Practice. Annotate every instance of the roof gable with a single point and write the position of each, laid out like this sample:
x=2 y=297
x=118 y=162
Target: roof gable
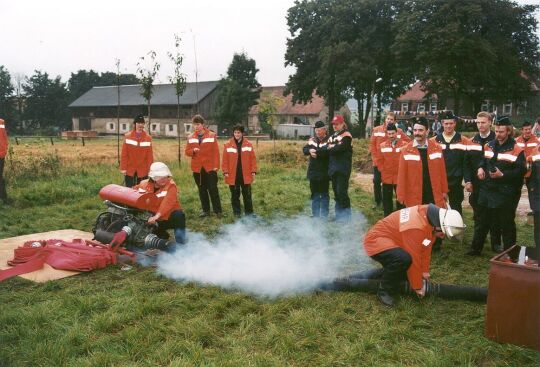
x=288 y=108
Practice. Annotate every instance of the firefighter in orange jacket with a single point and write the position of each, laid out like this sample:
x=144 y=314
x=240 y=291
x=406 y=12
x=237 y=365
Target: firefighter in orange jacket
x=168 y=214
x=4 y=143
x=388 y=163
x=379 y=136
x=137 y=154
x=422 y=172
x=203 y=148
x=239 y=167
x=528 y=142
x=402 y=243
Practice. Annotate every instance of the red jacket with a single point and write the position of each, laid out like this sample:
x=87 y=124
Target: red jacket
x=529 y=147
x=137 y=154
x=378 y=137
x=167 y=197
x=4 y=141
x=409 y=229
x=208 y=155
x=230 y=161
x=389 y=161
x=409 y=187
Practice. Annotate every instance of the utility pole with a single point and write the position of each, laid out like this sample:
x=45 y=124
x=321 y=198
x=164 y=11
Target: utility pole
x=118 y=111
x=196 y=73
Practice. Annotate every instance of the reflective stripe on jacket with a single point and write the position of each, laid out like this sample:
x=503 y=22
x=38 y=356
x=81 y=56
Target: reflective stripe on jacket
x=230 y=161
x=4 y=141
x=208 y=155
x=455 y=157
x=409 y=187
x=167 y=197
x=137 y=154
x=378 y=137
x=529 y=148
x=389 y=161
x=410 y=230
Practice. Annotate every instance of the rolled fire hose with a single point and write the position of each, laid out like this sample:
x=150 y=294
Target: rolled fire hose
x=369 y=282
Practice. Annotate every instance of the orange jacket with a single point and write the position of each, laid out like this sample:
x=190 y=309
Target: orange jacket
x=409 y=229
x=208 y=155
x=167 y=197
x=4 y=141
x=137 y=154
x=230 y=161
x=409 y=186
x=529 y=147
x=378 y=137
x=389 y=161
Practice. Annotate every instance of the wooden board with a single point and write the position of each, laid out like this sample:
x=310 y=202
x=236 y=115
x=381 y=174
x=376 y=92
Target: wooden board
x=7 y=245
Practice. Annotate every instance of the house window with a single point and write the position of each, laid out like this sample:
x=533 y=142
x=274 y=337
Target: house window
x=507 y=108
x=171 y=127
x=154 y=127
x=187 y=127
x=111 y=126
x=124 y=126
x=485 y=106
x=421 y=107
x=404 y=107
x=521 y=108
x=433 y=106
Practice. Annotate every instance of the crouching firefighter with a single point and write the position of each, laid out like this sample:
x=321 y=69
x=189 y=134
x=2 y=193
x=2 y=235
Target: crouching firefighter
x=402 y=243
x=168 y=213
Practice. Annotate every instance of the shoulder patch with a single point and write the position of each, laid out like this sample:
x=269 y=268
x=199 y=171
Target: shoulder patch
x=404 y=215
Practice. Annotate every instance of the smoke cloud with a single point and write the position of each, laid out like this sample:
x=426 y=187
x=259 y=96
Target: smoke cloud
x=270 y=258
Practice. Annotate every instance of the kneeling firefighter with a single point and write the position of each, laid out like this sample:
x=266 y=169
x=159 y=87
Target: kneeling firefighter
x=169 y=214
x=402 y=243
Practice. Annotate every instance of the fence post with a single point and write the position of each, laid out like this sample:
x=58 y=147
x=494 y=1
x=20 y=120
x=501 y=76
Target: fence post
x=17 y=140
x=82 y=139
x=257 y=143
x=52 y=143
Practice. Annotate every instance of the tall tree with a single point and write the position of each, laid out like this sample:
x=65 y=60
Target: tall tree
x=178 y=79
x=238 y=91
x=269 y=104
x=6 y=94
x=84 y=80
x=147 y=69
x=46 y=102
x=470 y=50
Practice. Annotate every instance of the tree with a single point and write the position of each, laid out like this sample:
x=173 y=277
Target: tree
x=238 y=91
x=469 y=50
x=178 y=79
x=147 y=75
x=84 y=80
x=6 y=94
x=269 y=104
x=46 y=102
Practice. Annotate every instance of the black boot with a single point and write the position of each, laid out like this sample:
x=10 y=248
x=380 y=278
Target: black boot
x=385 y=298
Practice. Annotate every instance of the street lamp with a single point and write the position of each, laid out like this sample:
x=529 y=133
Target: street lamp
x=378 y=80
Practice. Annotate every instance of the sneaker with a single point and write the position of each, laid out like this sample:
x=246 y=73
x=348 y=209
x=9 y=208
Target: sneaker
x=204 y=214
x=385 y=298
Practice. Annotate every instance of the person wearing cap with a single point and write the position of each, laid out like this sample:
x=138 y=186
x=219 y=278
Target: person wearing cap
x=390 y=151
x=169 y=213
x=4 y=143
x=402 y=243
x=137 y=153
x=377 y=138
x=422 y=172
x=202 y=146
x=317 y=173
x=454 y=148
x=239 y=167
x=501 y=171
x=339 y=149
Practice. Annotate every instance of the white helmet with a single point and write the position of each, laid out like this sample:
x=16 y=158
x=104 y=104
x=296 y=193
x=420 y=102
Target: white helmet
x=452 y=224
x=159 y=169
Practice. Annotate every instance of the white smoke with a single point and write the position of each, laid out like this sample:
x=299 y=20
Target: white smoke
x=280 y=257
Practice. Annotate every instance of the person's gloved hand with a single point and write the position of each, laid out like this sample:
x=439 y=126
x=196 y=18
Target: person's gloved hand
x=118 y=239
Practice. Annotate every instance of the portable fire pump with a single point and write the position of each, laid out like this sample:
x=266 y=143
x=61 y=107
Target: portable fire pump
x=128 y=210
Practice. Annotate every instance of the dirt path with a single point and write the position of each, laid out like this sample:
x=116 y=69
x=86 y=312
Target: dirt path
x=365 y=180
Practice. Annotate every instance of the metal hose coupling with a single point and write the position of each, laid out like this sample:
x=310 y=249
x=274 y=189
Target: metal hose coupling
x=152 y=241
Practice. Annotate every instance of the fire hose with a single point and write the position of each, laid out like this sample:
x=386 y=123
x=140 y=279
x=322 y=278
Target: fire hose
x=369 y=282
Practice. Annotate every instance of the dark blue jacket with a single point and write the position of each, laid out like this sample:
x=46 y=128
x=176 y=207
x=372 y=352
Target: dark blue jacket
x=340 y=152
x=455 y=158
x=318 y=167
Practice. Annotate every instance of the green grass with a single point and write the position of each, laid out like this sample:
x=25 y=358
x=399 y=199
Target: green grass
x=112 y=317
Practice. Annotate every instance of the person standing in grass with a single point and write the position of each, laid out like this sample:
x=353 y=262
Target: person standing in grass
x=137 y=154
x=239 y=167
x=533 y=185
x=317 y=172
x=402 y=244
x=339 y=148
x=390 y=151
x=4 y=143
x=202 y=146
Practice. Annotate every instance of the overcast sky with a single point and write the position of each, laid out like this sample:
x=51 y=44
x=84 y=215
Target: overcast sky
x=60 y=36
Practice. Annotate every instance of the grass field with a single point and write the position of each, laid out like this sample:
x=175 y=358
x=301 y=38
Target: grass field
x=139 y=318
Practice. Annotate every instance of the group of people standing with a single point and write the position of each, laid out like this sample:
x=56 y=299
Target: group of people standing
x=492 y=166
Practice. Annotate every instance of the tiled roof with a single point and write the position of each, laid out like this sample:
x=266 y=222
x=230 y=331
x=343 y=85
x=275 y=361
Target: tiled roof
x=288 y=108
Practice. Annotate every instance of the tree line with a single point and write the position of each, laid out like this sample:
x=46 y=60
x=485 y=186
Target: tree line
x=466 y=50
